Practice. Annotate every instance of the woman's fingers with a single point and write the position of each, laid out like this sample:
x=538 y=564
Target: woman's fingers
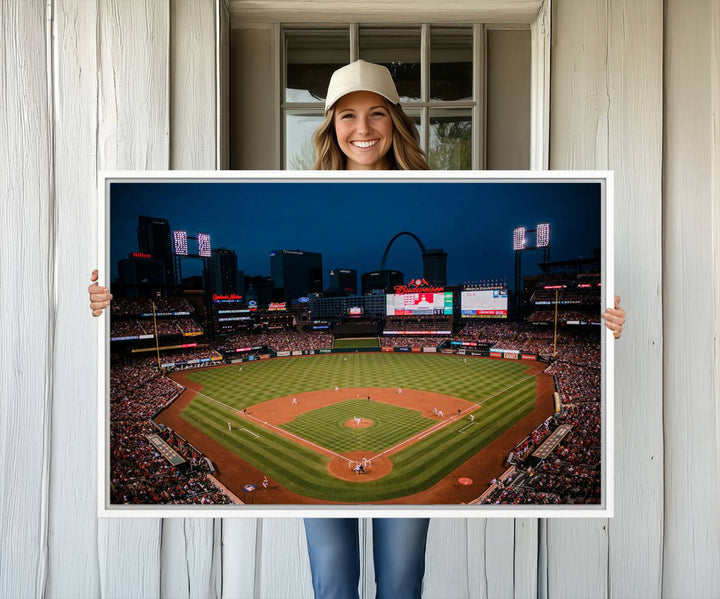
x=99 y=296
x=615 y=318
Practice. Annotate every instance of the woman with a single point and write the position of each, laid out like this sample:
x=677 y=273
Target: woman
x=365 y=129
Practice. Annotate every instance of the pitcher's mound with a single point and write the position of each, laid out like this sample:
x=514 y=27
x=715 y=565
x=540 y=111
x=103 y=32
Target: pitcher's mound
x=342 y=469
x=364 y=423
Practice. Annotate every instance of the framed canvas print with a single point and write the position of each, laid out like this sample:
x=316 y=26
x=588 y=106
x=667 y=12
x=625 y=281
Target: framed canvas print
x=374 y=344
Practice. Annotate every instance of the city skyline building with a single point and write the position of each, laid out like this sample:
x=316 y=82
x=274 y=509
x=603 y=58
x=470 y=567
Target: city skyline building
x=154 y=238
x=296 y=272
x=223 y=271
x=383 y=281
x=344 y=279
x=435 y=267
x=140 y=275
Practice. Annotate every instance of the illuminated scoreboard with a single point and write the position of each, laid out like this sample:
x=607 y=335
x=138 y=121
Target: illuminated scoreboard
x=485 y=303
x=419 y=304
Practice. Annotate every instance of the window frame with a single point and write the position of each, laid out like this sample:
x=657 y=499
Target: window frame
x=476 y=106
x=539 y=23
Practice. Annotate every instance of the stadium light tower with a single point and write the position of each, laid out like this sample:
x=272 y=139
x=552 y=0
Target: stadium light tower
x=181 y=252
x=543 y=235
x=542 y=242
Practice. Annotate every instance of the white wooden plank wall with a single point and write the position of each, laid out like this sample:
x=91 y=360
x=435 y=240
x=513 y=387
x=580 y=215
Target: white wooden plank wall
x=116 y=84
x=133 y=131
x=577 y=551
x=606 y=112
x=282 y=567
x=446 y=559
x=635 y=535
x=692 y=397
x=26 y=298
x=190 y=568
x=73 y=560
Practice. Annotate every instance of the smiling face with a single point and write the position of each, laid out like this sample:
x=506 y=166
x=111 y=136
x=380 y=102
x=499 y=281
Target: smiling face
x=364 y=130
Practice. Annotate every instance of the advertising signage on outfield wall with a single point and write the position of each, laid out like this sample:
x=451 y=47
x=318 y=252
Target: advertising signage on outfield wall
x=132 y=338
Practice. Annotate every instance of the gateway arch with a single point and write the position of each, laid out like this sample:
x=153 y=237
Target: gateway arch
x=434 y=261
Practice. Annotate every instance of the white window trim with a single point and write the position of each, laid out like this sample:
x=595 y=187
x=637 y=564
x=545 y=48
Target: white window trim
x=383 y=11
x=540 y=89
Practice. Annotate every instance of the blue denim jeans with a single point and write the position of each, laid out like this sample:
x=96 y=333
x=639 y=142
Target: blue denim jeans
x=398 y=550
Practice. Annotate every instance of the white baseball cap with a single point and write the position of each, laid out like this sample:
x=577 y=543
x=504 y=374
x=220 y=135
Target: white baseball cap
x=361 y=76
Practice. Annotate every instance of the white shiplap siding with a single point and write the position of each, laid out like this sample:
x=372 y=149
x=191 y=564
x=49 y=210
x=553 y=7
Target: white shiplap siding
x=133 y=133
x=692 y=398
x=73 y=558
x=27 y=210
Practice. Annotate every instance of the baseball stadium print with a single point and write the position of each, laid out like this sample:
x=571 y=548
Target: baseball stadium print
x=314 y=341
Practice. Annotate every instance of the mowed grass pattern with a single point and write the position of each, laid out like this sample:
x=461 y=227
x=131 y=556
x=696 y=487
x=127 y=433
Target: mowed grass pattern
x=326 y=426
x=503 y=388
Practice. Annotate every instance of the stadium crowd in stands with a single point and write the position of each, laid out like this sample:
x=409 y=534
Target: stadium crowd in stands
x=417 y=325
x=571 y=472
x=165 y=326
x=199 y=357
x=564 y=316
x=284 y=340
x=135 y=306
x=138 y=473
x=411 y=341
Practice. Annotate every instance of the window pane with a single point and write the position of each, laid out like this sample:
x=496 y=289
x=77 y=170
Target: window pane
x=450 y=139
x=451 y=56
x=415 y=117
x=299 y=150
x=399 y=51
x=311 y=57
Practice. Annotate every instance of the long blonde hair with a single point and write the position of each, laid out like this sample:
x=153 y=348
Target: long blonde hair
x=405 y=153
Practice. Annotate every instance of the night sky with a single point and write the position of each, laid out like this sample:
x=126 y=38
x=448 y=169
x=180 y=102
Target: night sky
x=352 y=223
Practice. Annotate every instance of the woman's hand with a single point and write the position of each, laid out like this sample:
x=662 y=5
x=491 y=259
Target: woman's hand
x=99 y=296
x=615 y=318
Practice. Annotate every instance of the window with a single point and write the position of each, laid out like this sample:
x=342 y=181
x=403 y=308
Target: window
x=468 y=88
x=435 y=68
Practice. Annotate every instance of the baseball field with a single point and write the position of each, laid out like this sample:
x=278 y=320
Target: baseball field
x=414 y=420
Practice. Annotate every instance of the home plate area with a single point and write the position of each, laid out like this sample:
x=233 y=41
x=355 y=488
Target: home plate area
x=360 y=429
x=346 y=467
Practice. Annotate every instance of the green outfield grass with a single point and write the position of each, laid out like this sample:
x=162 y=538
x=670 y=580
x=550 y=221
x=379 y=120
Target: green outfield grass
x=503 y=388
x=352 y=343
x=326 y=426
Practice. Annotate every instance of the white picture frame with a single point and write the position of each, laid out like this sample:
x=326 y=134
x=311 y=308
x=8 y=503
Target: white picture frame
x=603 y=509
